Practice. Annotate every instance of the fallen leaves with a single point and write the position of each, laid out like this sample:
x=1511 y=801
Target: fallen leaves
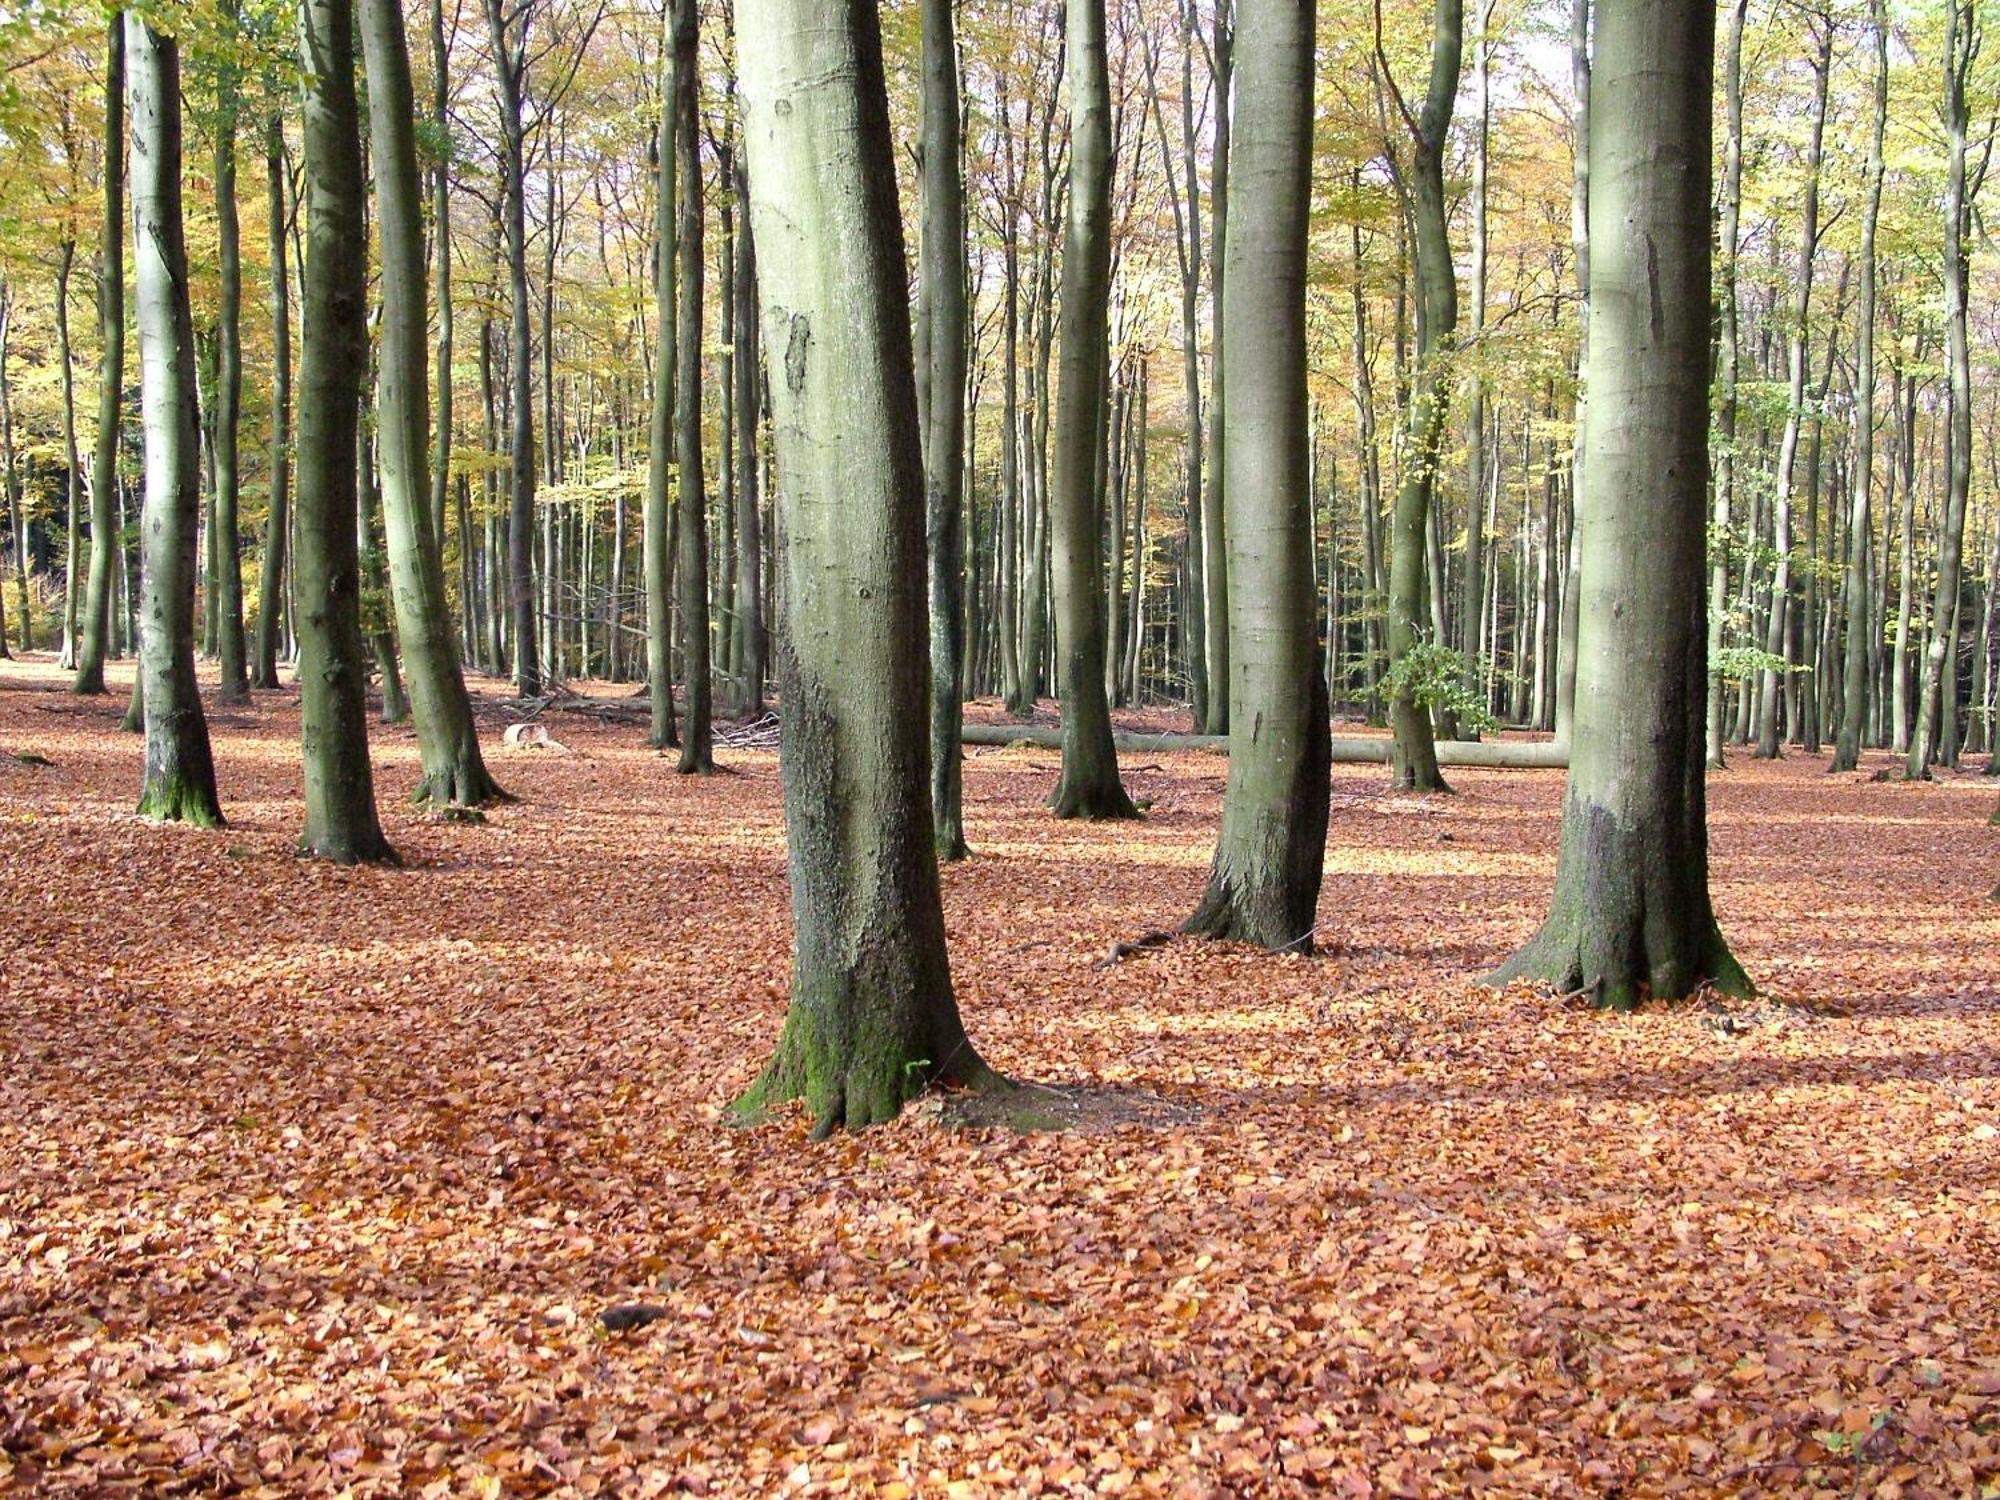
x=321 y=1181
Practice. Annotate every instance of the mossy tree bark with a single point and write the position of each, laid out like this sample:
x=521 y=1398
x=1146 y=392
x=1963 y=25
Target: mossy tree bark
x=945 y=356
x=1089 y=785
x=1854 y=586
x=278 y=524
x=656 y=542
x=1630 y=917
x=454 y=772
x=95 y=628
x=1263 y=886
x=872 y=1021
x=180 y=771
x=690 y=491
x=1415 y=766
x=341 y=823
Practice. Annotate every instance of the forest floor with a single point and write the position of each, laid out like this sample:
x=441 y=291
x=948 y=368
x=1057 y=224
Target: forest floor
x=317 y=1180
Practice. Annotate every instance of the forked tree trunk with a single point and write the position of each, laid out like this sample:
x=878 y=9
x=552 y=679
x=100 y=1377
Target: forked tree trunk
x=105 y=544
x=1631 y=916
x=944 y=353
x=341 y=823
x=180 y=772
x=454 y=772
x=277 y=526
x=872 y=1022
x=1263 y=885
x=1089 y=785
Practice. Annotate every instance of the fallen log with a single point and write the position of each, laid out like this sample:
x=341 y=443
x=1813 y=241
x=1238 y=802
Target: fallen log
x=1348 y=750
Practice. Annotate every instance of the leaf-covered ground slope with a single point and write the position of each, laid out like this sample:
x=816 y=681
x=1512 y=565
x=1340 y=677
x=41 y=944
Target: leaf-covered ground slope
x=315 y=1180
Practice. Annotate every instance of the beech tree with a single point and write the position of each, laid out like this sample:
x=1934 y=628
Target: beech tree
x=1263 y=885
x=180 y=771
x=95 y=627
x=872 y=1021
x=690 y=493
x=278 y=518
x=1631 y=915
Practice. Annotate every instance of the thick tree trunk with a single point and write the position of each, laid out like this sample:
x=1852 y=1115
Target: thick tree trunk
x=943 y=277
x=341 y=823
x=1264 y=881
x=180 y=772
x=105 y=543
x=1630 y=916
x=454 y=772
x=1089 y=785
x=872 y=1022
x=277 y=527
x=697 y=754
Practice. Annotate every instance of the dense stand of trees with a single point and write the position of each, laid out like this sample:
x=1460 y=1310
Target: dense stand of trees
x=1193 y=413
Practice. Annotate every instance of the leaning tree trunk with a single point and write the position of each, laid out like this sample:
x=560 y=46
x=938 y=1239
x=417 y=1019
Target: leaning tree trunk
x=226 y=547
x=1089 y=785
x=1630 y=916
x=690 y=495
x=872 y=1021
x=180 y=772
x=657 y=521
x=1263 y=885
x=277 y=525
x=105 y=546
x=341 y=823
x=944 y=352
x=1854 y=676
x=1415 y=766
x=454 y=772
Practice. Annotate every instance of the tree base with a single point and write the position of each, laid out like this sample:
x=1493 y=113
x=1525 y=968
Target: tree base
x=1094 y=798
x=950 y=840
x=88 y=684
x=1231 y=912
x=850 y=1083
x=462 y=784
x=177 y=799
x=360 y=849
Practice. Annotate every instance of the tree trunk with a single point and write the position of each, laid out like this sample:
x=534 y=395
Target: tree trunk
x=749 y=623
x=697 y=754
x=341 y=823
x=441 y=250
x=1214 y=503
x=1725 y=378
x=1631 y=916
x=270 y=586
x=944 y=293
x=180 y=772
x=1089 y=785
x=1264 y=881
x=658 y=526
x=872 y=1021
x=227 y=549
x=72 y=469
x=106 y=543
x=454 y=772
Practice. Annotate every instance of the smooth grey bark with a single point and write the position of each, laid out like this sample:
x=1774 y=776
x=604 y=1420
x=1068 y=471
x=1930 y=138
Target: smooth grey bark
x=1726 y=358
x=1631 y=916
x=1854 y=675
x=16 y=520
x=872 y=1021
x=226 y=543
x=1963 y=35
x=180 y=770
x=1472 y=598
x=1264 y=880
x=454 y=771
x=1415 y=766
x=1567 y=621
x=750 y=649
x=510 y=63
x=690 y=494
x=1089 y=785
x=277 y=526
x=441 y=251
x=105 y=545
x=942 y=275
x=341 y=822
x=657 y=520
x=1215 y=505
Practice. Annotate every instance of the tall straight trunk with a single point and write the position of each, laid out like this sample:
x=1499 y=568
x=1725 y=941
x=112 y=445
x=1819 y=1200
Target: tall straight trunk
x=377 y=618
x=1962 y=39
x=942 y=274
x=1264 y=880
x=277 y=526
x=510 y=59
x=1136 y=629
x=1567 y=622
x=1906 y=570
x=697 y=755
x=1215 y=508
x=227 y=603
x=106 y=545
x=1414 y=764
x=1802 y=713
x=1203 y=684
x=1472 y=612
x=16 y=519
x=1726 y=358
x=454 y=772
x=341 y=823
x=180 y=771
x=1631 y=915
x=1008 y=547
x=441 y=252
x=1374 y=572
x=658 y=520
x=724 y=567
x=872 y=1021
x=1089 y=785
x=749 y=622
x=72 y=469
x=1777 y=637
